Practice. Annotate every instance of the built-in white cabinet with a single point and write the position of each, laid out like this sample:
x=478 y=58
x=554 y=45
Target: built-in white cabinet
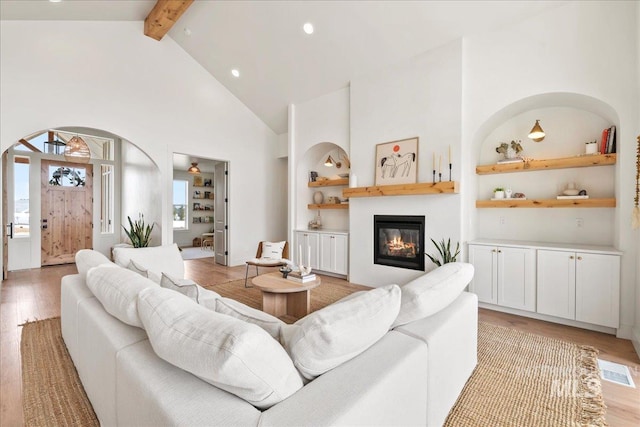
x=333 y=253
x=551 y=281
x=579 y=286
x=504 y=276
x=307 y=245
x=329 y=250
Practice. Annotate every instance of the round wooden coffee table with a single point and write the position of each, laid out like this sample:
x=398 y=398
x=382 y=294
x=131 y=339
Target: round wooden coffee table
x=283 y=296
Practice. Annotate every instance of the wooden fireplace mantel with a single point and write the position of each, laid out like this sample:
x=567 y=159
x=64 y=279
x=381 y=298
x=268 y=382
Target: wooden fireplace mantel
x=445 y=187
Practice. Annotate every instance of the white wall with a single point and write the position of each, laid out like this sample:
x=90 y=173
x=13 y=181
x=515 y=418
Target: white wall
x=564 y=50
x=420 y=97
x=320 y=128
x=108 y=75
x=636 y=329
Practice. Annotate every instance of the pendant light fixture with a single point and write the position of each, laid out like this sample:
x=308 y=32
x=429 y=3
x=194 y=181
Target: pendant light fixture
x=537 y=134
x=330 y=162
x=194 y=169
x=77 y=151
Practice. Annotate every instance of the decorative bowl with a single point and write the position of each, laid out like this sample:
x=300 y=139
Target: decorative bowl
x=571 y=192
x=343 y=175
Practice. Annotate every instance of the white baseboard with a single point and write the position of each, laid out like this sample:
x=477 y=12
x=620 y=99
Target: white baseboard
x=635 y=339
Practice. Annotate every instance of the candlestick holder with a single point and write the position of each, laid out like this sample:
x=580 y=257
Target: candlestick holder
x=440 y=176
x=434 y=176
x=449 y=171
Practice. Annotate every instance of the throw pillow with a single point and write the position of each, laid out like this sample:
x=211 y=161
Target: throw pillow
x=117 y=289
x=272 y=250
x=339 y=332
x=236 y=309
x=235 y=356
x=156 y=259
x=87 y=259
x=186 y=287
x=431 y=292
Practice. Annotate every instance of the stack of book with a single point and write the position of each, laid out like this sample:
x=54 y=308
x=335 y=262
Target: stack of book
x=608 y=142
x=297 y=277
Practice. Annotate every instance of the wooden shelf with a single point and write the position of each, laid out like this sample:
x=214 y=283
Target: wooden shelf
x=329 y=206
x=548 y=164
x=329 y=182
x=547 y=203
x=445 y=187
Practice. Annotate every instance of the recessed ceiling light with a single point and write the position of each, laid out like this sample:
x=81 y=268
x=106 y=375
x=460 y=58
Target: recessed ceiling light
x=55 y=1
x=235 y=73
x=308 y=28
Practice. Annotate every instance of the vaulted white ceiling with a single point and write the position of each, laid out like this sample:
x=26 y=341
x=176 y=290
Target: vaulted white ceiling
x=278 y=63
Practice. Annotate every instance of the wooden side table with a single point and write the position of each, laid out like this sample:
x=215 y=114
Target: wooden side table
x=283 y=296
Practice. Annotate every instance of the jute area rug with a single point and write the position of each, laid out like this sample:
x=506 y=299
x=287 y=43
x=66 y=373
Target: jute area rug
x=521 y=379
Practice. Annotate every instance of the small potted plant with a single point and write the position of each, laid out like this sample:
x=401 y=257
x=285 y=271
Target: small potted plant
x=446 y=253
x=139 y=233
x=498 y=193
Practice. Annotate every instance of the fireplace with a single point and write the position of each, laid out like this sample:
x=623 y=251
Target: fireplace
x=398 y=241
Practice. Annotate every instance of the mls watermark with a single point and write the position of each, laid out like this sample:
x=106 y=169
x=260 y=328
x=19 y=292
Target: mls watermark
x=575 y=388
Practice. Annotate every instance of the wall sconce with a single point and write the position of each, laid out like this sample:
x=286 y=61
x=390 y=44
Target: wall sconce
x=330 y=162
x=537 y=134
x=194 y=168
x=77 y=151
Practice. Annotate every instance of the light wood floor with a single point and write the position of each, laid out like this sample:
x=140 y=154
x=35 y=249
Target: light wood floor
x=35 y=294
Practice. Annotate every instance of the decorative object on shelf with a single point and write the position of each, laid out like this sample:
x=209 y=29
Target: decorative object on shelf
x=313 y=175
x=318 y=197
x=396 y=162
x=582 y=193
x=139 y=233
x=316 y=222
x=449 y=162
x=198 y=181
x=208 y=182
x=591 y=147
x=333 y=200
x=353 y=180
x=304 y=270
x=571 y=190
x=194 y=169
x=498 y=193
x=519 y=196
x=510 y=152
x=537 y=134
x=77 y=151
x=444 y=249
x=508 y=192
x=635 y=216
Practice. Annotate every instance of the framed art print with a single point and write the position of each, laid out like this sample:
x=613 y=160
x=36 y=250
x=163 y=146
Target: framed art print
x=397 y=162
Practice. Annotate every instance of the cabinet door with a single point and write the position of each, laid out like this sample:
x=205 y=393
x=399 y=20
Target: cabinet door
x=598 y=289
x=556 y=291
x=307 y=244
x=327 y=251
x=517 y=278
x=333 y=253
x=484 y=283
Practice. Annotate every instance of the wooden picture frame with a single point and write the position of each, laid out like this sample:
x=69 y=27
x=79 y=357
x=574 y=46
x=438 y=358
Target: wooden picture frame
x=198 y=181
x=397 y=162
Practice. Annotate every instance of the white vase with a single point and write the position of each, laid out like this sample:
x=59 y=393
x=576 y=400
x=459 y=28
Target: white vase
x=498 y=194
x=318 y=197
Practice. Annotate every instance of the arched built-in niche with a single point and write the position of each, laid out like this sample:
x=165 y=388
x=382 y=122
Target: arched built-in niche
x=313 y=160
x=569 y=120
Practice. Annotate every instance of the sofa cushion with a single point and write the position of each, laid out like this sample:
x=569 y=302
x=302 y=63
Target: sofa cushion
x=157 y=259
x=329 y=337
x=236 y=309
x=87 y=259
x=191 y=289
x=431 y=292
x=233 y=355
x=117 y=289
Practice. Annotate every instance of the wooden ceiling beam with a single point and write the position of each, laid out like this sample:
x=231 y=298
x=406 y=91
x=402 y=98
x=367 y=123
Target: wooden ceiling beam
x=163 y=16
x=29 y=146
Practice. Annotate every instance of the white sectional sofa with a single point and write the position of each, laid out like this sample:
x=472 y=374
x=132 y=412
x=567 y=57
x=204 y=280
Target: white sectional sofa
x=411 y=376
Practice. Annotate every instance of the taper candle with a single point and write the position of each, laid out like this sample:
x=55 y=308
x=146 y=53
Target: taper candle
x=309 y=256
x=449 y=154
x=434 y=160
x=440 y=164
x=299 y=254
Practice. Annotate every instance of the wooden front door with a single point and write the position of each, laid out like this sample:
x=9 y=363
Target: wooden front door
x=67 y=210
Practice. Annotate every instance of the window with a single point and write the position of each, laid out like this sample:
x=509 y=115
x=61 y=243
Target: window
x=21 y=197
x=67 y=177
x=106 y=199
x=180 y=211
